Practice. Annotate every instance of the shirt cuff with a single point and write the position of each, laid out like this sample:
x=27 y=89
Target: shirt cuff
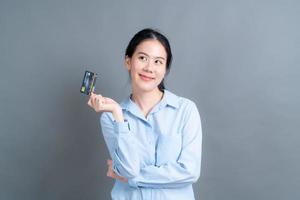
x=132 y=183
x=122 y=127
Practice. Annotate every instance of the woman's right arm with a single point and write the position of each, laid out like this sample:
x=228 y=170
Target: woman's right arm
x=117 y=135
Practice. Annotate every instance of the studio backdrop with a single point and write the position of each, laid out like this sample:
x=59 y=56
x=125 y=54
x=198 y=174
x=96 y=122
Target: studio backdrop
x=237 y=60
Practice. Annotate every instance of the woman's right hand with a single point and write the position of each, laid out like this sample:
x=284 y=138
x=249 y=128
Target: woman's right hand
x=105 y=104
x=110 y=172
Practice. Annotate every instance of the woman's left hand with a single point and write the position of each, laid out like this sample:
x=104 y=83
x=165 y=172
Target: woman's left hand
x=112 y=174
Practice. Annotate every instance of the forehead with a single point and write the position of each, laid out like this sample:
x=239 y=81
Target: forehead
x=152 y=48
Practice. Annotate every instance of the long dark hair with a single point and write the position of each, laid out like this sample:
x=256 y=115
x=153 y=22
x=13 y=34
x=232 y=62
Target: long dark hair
x=151 y=34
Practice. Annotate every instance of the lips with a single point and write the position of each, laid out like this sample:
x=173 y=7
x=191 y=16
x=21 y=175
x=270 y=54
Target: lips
x=146 y=78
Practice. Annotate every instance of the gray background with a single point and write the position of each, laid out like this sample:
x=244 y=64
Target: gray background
x=238 y=60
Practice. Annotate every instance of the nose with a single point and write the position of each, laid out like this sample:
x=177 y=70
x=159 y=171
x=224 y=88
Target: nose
x=148 y=67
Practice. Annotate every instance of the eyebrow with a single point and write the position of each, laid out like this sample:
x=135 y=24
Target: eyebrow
x=149 y=56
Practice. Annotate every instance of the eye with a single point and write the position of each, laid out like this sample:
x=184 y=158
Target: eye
x=142 y=58
x=158 y=62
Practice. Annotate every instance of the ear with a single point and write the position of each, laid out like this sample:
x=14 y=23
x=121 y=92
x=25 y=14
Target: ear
x=127 y=63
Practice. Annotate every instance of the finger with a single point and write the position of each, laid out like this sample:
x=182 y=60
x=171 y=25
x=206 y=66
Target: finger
x=98 y=105
x=92 y=97
x=110 y=173
x=115 y=176
x=100 y=98
x=94 y=100
x=100 y=102
x=89 y=102
x=109 y=162
x=97 y=99
x=110 y=168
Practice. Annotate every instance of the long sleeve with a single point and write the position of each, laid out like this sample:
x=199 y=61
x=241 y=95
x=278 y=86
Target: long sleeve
x=186 y=169
x=121 y=145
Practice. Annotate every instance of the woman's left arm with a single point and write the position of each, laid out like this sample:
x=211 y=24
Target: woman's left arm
x=186 y=169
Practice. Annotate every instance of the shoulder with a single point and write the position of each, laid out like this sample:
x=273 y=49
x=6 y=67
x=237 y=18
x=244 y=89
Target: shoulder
x=188 y=103
x=188 y=111
x=180 y=101
x=186 y=108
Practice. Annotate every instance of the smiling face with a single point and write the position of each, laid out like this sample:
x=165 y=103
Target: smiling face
x=147 y=66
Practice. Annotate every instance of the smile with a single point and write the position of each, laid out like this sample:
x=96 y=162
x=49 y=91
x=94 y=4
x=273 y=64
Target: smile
x=145 y=78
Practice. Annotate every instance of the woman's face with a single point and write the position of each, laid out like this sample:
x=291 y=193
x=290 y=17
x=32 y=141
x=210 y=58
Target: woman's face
x=147 y=66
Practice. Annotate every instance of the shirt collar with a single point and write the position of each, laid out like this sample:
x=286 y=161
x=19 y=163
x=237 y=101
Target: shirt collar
x=169 y=99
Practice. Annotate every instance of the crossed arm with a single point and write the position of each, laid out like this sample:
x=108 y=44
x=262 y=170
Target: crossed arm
x=124 y=163
x=125 y=167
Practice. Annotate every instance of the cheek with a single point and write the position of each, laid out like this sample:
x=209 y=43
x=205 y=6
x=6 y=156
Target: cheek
x=136 y=65
x=134 y=71
x=161 y=72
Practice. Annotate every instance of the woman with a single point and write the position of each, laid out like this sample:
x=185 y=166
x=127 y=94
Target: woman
x=154 y=137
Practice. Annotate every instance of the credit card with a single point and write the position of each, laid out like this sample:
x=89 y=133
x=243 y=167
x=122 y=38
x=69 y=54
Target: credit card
x=88 y=83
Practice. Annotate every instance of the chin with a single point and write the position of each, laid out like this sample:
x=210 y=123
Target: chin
x=146 y=88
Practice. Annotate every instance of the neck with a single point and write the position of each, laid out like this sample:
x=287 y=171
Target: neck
x=146 y=100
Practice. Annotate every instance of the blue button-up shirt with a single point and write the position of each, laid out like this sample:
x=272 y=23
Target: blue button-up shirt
x=160 y=154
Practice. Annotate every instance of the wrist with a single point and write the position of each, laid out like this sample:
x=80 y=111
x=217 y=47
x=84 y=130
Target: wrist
x=118 y=114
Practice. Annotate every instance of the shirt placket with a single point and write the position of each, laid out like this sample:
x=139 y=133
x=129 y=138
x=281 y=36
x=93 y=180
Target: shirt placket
x=150 y=135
